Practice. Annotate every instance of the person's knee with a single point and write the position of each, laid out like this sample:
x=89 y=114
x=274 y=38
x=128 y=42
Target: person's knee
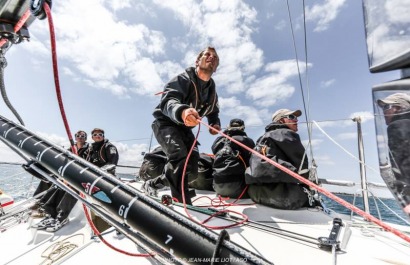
x=177 y=155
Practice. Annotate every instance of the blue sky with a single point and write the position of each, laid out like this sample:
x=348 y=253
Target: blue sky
x=115 y=55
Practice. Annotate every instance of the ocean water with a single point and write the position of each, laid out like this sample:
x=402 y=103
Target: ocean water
x=16 y=182
x=395 y=215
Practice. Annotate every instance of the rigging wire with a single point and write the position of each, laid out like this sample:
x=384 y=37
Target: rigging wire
x=309 y=125
x=3 y=64
x=305 y=108
x=346 y=151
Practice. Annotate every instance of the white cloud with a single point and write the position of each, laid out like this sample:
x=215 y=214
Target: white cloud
x=130 y=155
x=314 y=142
x=347 y=136
x=226 y=25
x=327 y=83
x=149 y=82
x=323 y=14
x=119 y=4
x=274 y=87
x=281 y=25
x=9 y=156
x=364 y=116
x=398 y=11
x=103 y=47
x=233 y=108
x=324 y=160
x=122 y=57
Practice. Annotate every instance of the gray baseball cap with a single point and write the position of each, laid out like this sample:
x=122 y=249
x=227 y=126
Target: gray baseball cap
x=397 y=99
x=279 y=114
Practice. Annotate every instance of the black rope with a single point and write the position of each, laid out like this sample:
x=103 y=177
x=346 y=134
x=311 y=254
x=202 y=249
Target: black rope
x=216 y=255
x=3 y=64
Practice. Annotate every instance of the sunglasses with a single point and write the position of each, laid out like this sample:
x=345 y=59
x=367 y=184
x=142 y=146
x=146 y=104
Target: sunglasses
x=98 y=134
x=80 y=136
x=291 y=117
x=387 y=107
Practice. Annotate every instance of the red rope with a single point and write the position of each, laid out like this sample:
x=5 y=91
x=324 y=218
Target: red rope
x=67 y=127
x=318 y=188
x=97 y=233
x=245 y=218
x=18 y=26
x=56 y=76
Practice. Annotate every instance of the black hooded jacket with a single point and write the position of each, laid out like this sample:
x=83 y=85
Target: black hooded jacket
x=398 y=132
x=184 y=91
x=102 y=153
x=283 y=146
x=231 y=160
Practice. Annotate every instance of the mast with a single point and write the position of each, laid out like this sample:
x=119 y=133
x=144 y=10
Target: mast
x=363 y=176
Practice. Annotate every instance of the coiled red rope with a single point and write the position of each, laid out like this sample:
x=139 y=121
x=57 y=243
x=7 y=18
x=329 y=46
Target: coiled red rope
x=244 y=217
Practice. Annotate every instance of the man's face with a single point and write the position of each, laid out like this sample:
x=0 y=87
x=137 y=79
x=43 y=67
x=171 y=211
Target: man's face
x=80 y=137
x=389 y=111
x=98 y=136
x=209 y=61
x=291 y=121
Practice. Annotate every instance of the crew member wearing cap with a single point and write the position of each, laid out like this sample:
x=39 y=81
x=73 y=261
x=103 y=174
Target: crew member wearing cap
x=269 y=185
x=396 y=110
x=231 y=161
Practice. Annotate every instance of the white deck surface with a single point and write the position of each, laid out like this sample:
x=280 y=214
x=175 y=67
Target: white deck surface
x=367 y=244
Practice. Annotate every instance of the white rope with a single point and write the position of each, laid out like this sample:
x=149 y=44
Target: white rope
x=392 y=211
x=341 y=147
x=59 y=249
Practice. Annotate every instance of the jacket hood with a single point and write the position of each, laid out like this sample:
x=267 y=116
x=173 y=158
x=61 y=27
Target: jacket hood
x=274 y=126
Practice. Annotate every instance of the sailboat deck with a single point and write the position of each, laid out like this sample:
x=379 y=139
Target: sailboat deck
x=280 y=236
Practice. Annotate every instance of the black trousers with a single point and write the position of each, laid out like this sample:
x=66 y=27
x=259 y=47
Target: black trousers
x=42 y=186
x=176 y=141
x=60 y=204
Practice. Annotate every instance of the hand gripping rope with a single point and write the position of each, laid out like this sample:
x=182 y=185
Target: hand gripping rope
x=318 y=188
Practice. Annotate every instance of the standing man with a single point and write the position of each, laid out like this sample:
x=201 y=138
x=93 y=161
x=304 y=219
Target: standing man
x=186 y=98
